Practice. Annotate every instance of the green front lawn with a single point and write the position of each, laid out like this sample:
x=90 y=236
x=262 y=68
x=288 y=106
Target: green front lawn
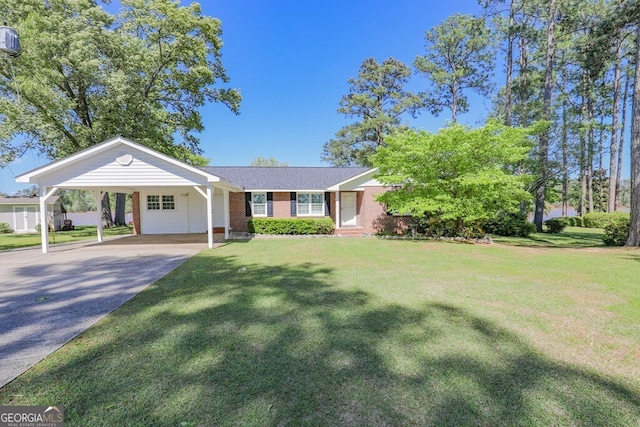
x=571 y=237
x=351 y=331
x=23 y=240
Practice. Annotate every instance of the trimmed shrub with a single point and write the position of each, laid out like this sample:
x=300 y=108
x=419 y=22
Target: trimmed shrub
x=436 y=227
x=616 y=232
x=291 y=226
x=574 y=221
x=602 y=219
x=510 y=224
x=555 y=225
x=5 y=228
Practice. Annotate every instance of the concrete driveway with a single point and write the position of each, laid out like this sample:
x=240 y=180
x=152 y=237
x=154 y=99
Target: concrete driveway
x=48 y=299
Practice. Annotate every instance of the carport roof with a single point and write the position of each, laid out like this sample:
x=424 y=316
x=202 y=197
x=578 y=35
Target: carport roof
x=35 y=175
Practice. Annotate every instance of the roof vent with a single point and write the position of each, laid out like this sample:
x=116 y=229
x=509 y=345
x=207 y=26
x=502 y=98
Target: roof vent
x=124 y=159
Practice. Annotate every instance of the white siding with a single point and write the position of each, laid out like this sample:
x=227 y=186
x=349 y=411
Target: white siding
x=24 y=218
x=103 y=169
x=197 y=213
x=218 y=209
x=6 y=215
x=189 y=215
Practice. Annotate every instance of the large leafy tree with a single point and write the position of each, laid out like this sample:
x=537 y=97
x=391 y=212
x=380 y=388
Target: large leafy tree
x=86 y=75
x=268 y=161
x=378 y=100
x=459 y=56
x=459 y=173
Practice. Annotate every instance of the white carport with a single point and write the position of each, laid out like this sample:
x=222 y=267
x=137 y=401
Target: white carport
x=120 y=165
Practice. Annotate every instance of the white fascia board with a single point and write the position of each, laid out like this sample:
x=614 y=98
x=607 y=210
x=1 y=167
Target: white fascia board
x=281 y=190
x=227 y=185
x=29 y=176
x=337 y=186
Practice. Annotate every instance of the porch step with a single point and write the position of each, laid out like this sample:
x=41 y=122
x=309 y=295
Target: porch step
x=350 y=231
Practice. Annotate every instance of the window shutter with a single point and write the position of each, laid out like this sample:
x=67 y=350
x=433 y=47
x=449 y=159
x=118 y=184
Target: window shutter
x=294 y=209
x=327 y=203
x=269 y=203
x=247 y=205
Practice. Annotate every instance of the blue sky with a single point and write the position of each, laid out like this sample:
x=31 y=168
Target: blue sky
x=291 y=60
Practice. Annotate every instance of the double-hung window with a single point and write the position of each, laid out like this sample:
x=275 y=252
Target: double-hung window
x=310 y=204
x=259 y=204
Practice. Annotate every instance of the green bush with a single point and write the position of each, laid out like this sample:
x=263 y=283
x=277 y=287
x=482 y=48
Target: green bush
x=601 y=219
x=616 y=232
x=510 y=224
x=5 y=228
x=291 y=226
x=555 y=225
x=574 y=221
x=434 y=226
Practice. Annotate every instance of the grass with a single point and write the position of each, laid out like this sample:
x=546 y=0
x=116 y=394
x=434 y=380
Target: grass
x=23 y=240
x=571 y=237
x=361 y=332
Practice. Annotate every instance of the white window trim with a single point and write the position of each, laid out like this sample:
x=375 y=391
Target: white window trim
x=253 y=205
x=161 y=203
x=310 y=193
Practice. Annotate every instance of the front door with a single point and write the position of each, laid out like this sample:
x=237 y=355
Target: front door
x=26 y=217
x=348 y=210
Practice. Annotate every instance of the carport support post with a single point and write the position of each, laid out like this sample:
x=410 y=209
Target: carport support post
x=44 y=217
x=338 y=209
x=210 y=216
x=98 y=196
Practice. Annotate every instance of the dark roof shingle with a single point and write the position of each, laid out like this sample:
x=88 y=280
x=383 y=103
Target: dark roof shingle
x=284 y=178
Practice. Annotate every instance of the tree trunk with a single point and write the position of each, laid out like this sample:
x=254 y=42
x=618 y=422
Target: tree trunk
x=119 y=219
x=565 y=162
x=634 y=229
x=623 y=120
x=600 y=182
x=590 y=147
x=509 y=70
x=107 y=218
x=583 y=149
x=565 y=144
x=611 y=205
x=543 y=149
x=454 y=98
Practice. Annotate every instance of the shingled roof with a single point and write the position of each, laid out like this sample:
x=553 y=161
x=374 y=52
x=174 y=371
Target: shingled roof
x=25 y=200
x=284 y=178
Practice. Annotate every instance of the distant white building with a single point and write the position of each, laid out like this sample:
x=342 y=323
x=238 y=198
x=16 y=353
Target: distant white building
x=23 y=213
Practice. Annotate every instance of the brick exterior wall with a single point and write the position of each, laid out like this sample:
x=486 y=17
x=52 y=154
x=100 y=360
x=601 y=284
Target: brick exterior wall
x=281 y=209
x=371 y=210
x=375 y=218
x=135 y=202
x=237 y=219
x=371 y=215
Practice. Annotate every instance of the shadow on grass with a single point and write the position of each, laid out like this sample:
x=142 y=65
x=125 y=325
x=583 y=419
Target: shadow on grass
x=221 y=342
x=564 y=240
